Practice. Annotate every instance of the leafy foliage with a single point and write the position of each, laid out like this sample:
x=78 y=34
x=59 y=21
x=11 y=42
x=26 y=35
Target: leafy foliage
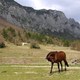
x=15 y=36
x=2 y=44
x=76 y=45
x=9 y=34
x=39 y=37
x=66 y=43
x=35 y=45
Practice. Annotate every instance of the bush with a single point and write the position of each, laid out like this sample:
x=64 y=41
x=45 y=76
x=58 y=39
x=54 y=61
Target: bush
x=39 y=37
x=66 y=43
x=35 y=45
x=9 y=33
x=2 y=44
x=5 y=34
x=76 y=45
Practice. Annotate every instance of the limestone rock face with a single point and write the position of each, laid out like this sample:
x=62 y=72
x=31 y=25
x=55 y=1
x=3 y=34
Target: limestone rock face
x=50 y=22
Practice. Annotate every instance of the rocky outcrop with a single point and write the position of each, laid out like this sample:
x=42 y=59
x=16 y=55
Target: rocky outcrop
x=50 y=22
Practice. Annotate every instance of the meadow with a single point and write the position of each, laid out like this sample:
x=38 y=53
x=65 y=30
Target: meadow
x=24 y=63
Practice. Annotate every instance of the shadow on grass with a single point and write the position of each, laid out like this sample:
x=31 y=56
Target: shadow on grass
x=57 y=72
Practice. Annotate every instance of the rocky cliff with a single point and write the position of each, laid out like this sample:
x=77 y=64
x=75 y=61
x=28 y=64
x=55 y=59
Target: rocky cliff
x=50 y=22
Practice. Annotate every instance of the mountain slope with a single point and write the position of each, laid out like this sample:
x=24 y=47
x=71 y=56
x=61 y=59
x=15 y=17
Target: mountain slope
x=50 y=22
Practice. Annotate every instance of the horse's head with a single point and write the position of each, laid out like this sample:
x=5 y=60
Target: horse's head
x=51 y=56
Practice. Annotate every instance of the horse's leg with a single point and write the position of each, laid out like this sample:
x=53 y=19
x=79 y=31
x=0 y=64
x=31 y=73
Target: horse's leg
x=58 y=67
x=51 y=67
x=61 y=66
x=65 y=65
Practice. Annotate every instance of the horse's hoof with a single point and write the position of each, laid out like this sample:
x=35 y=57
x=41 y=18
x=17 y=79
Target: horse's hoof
x=50 y=72
x=59 y=71
x=65 y=69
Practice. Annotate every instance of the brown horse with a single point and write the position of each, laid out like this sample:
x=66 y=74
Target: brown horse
x=57 y=57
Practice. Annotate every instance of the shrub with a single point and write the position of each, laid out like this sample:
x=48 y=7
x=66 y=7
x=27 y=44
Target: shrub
x=5 y=34
x=35 y=45
x=39 y=37
x=12 y=31
x=66 y=43
x=76 y=45
x=9 y=33
x=2 y=44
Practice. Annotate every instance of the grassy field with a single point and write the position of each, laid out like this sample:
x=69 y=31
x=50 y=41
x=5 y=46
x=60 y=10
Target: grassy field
x=17 y=72
x=23 y=63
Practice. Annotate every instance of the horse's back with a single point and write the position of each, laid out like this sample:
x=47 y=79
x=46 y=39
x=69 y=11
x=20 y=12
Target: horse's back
x=61 y=55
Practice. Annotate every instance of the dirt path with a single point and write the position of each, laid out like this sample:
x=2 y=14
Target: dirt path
x=22 y=66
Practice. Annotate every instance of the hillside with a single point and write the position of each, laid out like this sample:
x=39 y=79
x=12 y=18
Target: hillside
x=17 y=35
x=50 y=22
x=10 y=32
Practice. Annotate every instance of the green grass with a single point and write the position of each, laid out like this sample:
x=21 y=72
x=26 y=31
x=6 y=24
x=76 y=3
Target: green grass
x=24 y=73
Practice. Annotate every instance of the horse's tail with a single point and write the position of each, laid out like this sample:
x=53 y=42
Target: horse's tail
x=66 y=63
